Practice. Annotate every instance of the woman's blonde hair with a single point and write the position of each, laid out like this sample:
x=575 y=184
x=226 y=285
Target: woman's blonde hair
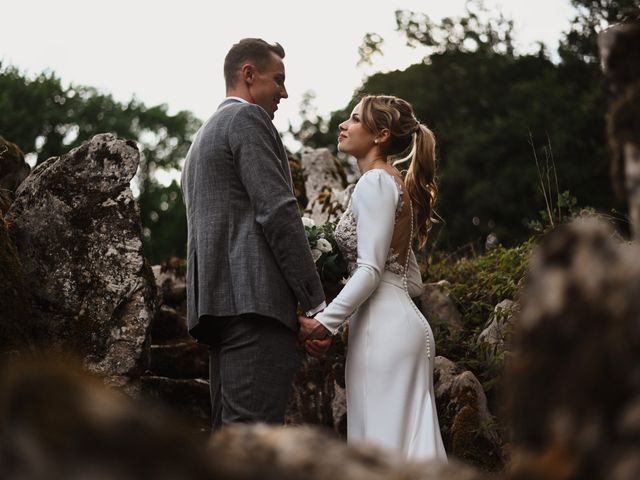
x=407 y=134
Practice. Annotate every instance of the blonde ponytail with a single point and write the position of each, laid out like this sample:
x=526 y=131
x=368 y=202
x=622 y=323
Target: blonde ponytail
x=393 y=113
x=420 y=180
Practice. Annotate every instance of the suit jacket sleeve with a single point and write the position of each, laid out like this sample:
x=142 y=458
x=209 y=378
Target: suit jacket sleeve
x=255 y=145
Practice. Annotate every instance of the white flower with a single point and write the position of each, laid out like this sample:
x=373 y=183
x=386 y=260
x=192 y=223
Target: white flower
x=323 y=245
x=308 y=222
x=316 y=254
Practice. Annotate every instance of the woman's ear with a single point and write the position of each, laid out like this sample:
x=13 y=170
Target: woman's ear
x=383 y=136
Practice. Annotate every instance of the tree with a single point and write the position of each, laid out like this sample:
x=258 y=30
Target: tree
x=476 y=30
x=593 y=16
x=371 y=45
x=493 y=112
x=48 y=119
x=165 y=227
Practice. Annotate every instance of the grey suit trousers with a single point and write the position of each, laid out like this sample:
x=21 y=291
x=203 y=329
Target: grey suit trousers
x=255 y=359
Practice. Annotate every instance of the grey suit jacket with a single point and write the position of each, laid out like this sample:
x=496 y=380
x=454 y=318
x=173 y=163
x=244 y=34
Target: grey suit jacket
x=247 y=251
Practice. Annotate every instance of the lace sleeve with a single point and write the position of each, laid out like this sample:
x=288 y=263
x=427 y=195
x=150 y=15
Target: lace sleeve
x=374 y=204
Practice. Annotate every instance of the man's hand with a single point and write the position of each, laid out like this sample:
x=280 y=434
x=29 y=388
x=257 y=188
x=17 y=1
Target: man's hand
x=314 y=335
x=311 y=329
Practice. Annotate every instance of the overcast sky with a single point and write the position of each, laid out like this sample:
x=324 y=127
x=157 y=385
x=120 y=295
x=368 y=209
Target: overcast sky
x=172 y=51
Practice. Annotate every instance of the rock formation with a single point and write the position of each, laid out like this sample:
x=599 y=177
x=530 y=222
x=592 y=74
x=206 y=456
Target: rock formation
x=319 y=396
x=497 y=332
x=467 y=426
x=17 y=319
x=297 y=175
x=178 y=371
x=248 y=452
x=78 y=236
x=326 y=186
x=436 y=303
x=619 y=53
x=574 y=379
x=57 y=422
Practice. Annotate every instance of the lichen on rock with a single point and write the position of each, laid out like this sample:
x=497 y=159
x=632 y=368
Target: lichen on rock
x=77 y=230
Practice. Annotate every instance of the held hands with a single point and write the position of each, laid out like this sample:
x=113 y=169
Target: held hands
x=311 y=329
x=314 y=335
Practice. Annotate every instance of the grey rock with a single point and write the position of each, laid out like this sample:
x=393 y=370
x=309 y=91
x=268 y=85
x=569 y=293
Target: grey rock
x=77 y=230
x=619 y=48
x=172 y=286
x=180 y=360
x=170 y=323
x=247 y=452
x=18 y=321
x=438 y=306
x=467 y=426
x=326 y=186
x=574 y=380
x=57 y=422
x=318 y=396
x=499 y=327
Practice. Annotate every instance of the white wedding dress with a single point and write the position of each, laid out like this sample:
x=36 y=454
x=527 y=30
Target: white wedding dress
x=389 y=371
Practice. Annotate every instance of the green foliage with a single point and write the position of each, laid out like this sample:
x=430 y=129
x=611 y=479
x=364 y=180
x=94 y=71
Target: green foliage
x=564 y=209
x=313 y=130
x=48 y=119
x=163 y=216
x=477 y=284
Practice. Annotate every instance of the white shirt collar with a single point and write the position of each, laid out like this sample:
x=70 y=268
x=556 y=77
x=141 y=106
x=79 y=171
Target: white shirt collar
x=236 y=98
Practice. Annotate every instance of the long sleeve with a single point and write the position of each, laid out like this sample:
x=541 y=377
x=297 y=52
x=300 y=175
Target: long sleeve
x=414 y=278
x=374 y=204
x=260 y=168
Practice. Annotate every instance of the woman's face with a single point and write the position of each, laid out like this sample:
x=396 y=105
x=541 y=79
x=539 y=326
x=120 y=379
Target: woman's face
x=355 y=139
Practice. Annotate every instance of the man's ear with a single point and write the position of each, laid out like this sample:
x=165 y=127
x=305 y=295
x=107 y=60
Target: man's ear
x=247 y=72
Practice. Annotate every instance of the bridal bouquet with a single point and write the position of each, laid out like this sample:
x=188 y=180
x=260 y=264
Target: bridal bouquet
x=329 y=261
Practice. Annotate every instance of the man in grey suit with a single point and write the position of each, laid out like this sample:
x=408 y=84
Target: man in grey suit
x=248 y=260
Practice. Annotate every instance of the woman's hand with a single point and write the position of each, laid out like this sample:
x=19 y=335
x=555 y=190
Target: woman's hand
x=317 y=348
x=311 y=329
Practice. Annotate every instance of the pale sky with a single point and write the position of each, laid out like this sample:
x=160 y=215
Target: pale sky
x=172 y=52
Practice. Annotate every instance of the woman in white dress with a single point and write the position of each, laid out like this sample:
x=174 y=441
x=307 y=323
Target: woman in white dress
x=389 y=371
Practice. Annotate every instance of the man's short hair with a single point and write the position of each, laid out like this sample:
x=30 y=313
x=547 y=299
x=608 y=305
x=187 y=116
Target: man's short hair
x=254 y=50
